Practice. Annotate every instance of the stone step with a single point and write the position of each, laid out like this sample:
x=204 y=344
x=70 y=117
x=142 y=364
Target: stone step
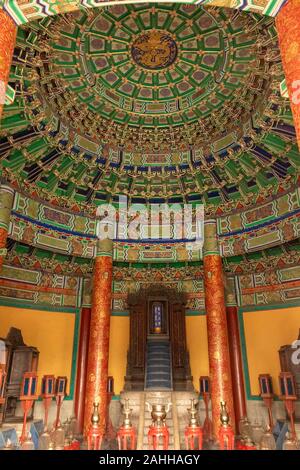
x=159 y=366
x=171 y=440
x=161 y=354
x=158 y=385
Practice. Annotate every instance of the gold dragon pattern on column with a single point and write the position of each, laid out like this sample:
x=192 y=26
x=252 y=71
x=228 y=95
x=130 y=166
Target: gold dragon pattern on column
x=97 y=369
x=218 y=348
x=8 y=33
x=288 y=29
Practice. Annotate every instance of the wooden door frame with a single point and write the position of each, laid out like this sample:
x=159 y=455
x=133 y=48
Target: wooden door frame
x=139 y=327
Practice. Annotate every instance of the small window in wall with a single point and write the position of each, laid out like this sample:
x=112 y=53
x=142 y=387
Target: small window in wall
x=157 y=316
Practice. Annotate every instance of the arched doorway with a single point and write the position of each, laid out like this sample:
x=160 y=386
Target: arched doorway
x=158 y=358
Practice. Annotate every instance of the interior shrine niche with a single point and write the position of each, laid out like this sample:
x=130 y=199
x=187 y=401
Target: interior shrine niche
x=19 y=358
x=157 y=323
x=289 y=356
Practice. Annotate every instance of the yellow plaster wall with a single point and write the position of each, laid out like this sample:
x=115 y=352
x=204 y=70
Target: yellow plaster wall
x=265 y=332
x=196 y=335
x=51 y=332
x=118 y=347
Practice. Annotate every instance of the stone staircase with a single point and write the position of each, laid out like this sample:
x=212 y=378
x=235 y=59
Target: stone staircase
x=158 y=366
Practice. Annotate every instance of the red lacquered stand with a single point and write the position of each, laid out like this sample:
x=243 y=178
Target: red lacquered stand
x=155 y=434
x=60 y=393
x=48 y=383
x=126 y=438
x=266 y=392
x=288 y=395
x=193 y=438
x=226 y=438
x=28 y=397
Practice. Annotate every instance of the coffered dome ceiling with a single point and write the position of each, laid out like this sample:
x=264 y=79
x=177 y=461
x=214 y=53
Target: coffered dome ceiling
x=160 y=102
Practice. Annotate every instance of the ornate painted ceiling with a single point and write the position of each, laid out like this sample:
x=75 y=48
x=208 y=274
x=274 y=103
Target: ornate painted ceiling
x=21 y=255
x=157 y=102
x=23 y=11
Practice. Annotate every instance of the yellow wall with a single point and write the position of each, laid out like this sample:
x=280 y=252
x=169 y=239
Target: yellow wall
x=265 y=332
x=196 y=335
x=118 y=347
x=51 y=332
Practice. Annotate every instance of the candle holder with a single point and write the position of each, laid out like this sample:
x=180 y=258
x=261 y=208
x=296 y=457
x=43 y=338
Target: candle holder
x=288 y=395
x=226 y=434
x=47 y=394
x=266 y=393
x=60 y=393
x=205 y=393
x=126 y=435
x=27 y=397
x=193 y=433
x=94 y=436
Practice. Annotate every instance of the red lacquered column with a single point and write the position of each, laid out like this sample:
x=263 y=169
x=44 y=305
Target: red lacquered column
x=82 y=365
x=236 y=362
x=97 y=370
x=218 y=349
x=288 y=29
x=8 y=33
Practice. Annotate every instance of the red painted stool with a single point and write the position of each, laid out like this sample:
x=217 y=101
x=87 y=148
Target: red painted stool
x=193 y=436
x=226 y=438
x=126 y=438
x=154 y=435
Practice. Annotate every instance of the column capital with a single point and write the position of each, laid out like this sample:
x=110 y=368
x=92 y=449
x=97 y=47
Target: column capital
x=211 y=245
x=104 y=248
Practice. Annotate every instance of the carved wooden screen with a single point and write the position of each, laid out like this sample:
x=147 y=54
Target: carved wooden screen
x=182 y=379
x=137 y=347
x=139 y=322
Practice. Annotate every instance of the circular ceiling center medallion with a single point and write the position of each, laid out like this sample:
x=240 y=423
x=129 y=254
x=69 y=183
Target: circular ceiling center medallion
x=154 y=50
